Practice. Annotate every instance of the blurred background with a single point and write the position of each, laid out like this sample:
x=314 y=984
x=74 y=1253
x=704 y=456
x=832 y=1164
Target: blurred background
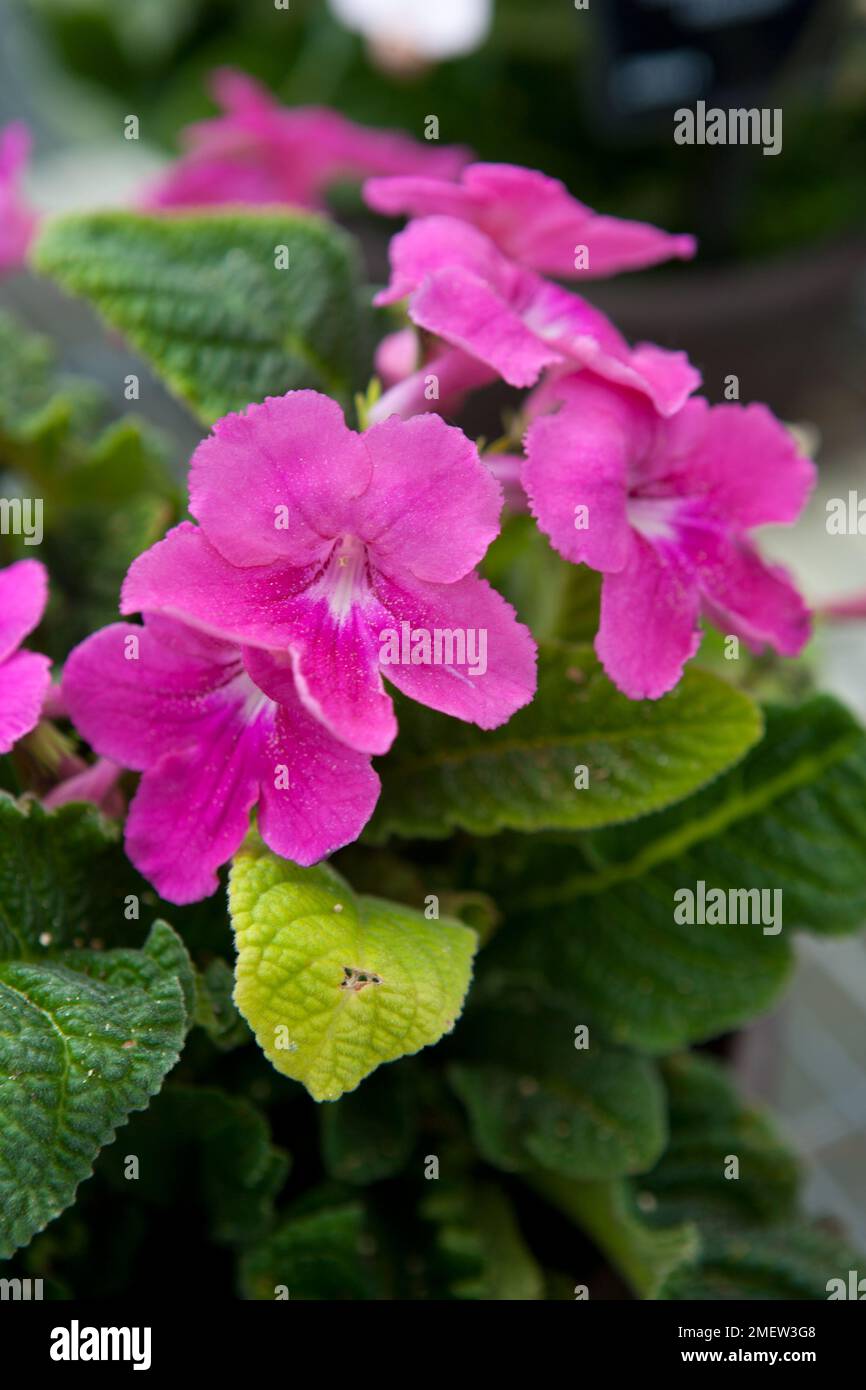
x=586 y=92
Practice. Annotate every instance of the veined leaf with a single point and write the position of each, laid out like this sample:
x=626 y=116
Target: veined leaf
x=368 y=1134
x=317 y=1254
x=536 y=1100
x=205 y=299
x=200 y=1145
x=754 y=1243
x=639 y=756
x=790 y=822
x=480 y=1250
x=85 y=1039
x=333 y=984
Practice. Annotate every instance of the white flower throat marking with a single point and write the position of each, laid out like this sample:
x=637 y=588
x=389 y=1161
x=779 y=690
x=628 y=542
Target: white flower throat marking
x=344 y=580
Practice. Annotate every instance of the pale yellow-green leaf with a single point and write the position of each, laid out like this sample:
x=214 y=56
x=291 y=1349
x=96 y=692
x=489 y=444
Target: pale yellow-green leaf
x=333 y=984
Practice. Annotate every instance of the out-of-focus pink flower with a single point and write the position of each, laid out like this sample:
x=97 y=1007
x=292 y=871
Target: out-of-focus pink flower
x=663 y=509
x=318 y=545
x=461 y=287
x=191 y=713
x=440 y=385
x=533 y=220
x=397 y=356
x=94 y=782
x=507 y=469
x=261 y=152
x=17 y=219
x=24 y=676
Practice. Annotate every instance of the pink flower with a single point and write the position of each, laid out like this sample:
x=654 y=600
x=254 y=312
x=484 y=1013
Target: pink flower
x=324 y=548
x=462 y=288
x=440 y=384
x=24 y=676
x=17 y=220
x=261 y=152
x=507 y=469
x=533 y=220
x=215 y=729
x=663 y=509
x=397 y=356
x=93 y=782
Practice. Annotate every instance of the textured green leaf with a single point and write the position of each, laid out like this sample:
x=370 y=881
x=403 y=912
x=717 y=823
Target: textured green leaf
x=794 y=1259
x=753 y=1242
x=368 y=1135
x=709 y=1123
x=38 y=406
x=198 y=1145
x=686 y=1230
x=536 y=1100
x=314 y=1255
x=86 y=1037
x=641 y=755
x=480 y=1250
x=791 y=817
x=333 y=984
x=201 y=298
x=60 y=877
x=621 y=959
x=215 y=1009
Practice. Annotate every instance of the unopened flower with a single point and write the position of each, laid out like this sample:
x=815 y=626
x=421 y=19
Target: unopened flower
x=462 y=288
x=533 y=219
x=439 y=384
x=663 y=508
x=24 y=676
x=317 y=544
x=261 y=152
x=215 y=730
x=95 y=782
x=17 y=219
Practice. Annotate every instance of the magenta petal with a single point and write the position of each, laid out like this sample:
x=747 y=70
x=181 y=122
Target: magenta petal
x=277 y=480
x=397 y=356
x=335 y=662
x=261 y=152
x=23 y=595
x=579 y=459
x=532 y=218
x=96 y=783
x=614 y=245
x=442 y=243
x=331 y=794
x=24 y=679
x=741 y=459
x=191 y=810
x=418 y=196
x=439 y=385
x=132 y=708
x=186 y=578
x=211 y=742
x=471 y=608
x=744 y=594
x=648 y=625
x=468 y=312
x=17 y=219
x=580 y=331
x=431 y=506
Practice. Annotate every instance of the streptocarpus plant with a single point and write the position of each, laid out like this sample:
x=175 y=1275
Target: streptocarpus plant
x=457 y=784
